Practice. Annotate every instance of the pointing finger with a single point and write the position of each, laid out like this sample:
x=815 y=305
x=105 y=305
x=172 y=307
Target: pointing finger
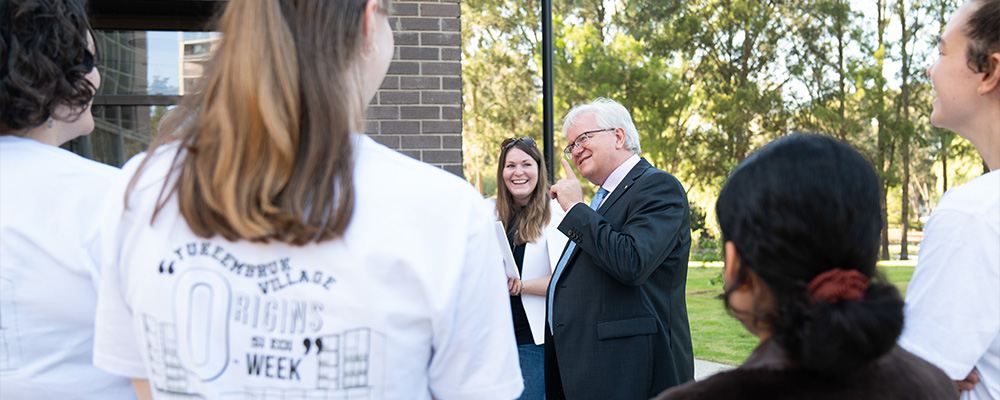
x=568 y=169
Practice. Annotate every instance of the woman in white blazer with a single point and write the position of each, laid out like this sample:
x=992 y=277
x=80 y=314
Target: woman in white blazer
x=530 y=219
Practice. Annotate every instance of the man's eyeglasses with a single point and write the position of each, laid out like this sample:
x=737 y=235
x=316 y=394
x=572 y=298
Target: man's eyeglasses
x=508 y=142
x=582 y=140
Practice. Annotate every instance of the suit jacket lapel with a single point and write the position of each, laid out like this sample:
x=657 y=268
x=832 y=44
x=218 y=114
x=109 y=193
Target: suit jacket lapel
x=625 y=185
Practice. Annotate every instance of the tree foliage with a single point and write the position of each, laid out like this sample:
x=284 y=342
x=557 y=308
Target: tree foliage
x=710 y=81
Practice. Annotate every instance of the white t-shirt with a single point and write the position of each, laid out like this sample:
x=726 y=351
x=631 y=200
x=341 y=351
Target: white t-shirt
x=411 y=303
x=49 y=250
x=953 y=301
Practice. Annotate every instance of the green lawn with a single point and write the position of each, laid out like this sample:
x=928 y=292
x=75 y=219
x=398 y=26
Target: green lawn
x=721 y=338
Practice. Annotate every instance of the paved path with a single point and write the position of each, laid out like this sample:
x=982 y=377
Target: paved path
x=704 y=369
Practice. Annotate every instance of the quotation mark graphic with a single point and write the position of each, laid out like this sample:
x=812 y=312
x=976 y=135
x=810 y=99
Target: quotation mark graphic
x=170 y=268
x=308 y=344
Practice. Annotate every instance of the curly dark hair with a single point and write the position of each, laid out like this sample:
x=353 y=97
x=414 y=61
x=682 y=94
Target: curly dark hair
x=984 y=37
x=43 y=45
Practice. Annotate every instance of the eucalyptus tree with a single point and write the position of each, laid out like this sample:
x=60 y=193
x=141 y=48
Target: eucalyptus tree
x=825 y=61
x=500 y=80
x=910 y=23
x=597 y=56
x=732 y=49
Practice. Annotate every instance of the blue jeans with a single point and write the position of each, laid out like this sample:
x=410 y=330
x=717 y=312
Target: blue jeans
x=532 y=359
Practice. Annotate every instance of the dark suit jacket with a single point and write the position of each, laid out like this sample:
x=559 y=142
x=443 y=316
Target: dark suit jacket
x=621 y=328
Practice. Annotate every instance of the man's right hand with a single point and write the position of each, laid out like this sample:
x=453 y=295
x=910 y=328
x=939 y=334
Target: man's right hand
x=567 y=191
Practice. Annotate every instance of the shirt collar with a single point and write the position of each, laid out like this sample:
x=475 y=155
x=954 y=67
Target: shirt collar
x=619 y=173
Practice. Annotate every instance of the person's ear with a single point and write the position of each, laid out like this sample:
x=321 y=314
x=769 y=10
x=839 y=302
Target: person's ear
x=991 y=76
x=733 y=263
x=619 y=138
x=369 y=19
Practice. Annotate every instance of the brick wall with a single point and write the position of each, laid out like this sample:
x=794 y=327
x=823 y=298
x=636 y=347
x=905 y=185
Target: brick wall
x=418 y=109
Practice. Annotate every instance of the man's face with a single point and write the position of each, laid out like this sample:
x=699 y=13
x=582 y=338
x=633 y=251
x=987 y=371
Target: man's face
x=597 y=157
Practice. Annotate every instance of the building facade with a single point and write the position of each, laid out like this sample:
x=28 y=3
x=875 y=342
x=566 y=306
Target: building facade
x=152 y=50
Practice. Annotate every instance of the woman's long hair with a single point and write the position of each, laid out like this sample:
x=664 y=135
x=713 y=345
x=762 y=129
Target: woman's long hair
x=525 y=224
x=801 y=206
x=265 y=150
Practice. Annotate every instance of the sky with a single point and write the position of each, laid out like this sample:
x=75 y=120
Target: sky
x=164 y=57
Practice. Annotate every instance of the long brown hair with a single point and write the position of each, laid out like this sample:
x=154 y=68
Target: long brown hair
x=265 y=150
x=523 y=224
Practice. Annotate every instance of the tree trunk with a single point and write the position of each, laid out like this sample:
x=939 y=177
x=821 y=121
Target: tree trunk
x=905 y=201
x=882 y=123
x=841 y=72
x=944 y=168
x=905 y=97
x=946 y=136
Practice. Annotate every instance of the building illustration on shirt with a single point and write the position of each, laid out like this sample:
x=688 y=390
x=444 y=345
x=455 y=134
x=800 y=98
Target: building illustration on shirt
x=269 y=351
x=10 y=348
x=344 y=367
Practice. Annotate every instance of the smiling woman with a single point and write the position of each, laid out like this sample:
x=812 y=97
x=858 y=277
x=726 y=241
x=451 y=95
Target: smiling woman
x=520 y=176
x=955 y=283
x=518 y=167
x=530 y=219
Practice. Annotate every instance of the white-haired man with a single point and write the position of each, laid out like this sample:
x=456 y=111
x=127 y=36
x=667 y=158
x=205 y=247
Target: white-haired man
x=617 y=318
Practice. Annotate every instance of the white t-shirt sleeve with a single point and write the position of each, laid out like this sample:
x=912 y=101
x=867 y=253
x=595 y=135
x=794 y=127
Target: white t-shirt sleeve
x=951 y=302
x=475 y=354
x=115 y=347
x=93 y=240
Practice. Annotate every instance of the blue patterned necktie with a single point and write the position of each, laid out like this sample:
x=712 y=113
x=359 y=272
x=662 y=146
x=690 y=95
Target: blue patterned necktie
x=595 y=203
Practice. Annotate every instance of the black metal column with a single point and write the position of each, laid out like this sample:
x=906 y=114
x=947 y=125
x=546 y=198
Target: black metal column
x=547 y=121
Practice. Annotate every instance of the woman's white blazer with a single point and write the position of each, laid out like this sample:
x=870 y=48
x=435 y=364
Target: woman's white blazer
x=540 y=259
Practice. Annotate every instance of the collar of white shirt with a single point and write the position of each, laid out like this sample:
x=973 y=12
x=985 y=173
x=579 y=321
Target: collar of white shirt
x=618 y=175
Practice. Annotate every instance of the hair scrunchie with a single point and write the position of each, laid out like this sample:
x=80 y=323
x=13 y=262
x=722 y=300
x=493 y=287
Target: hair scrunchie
x=839 y=284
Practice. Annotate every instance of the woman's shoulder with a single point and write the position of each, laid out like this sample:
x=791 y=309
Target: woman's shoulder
x=383 y=178
x=153 y=168
x=740 y=383
x=389 y=169
x=975 y=198
x=897 y=375
x=32 y=159
x=907 y=373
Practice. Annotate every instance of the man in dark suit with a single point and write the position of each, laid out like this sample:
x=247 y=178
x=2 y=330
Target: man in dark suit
x=617 y=325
